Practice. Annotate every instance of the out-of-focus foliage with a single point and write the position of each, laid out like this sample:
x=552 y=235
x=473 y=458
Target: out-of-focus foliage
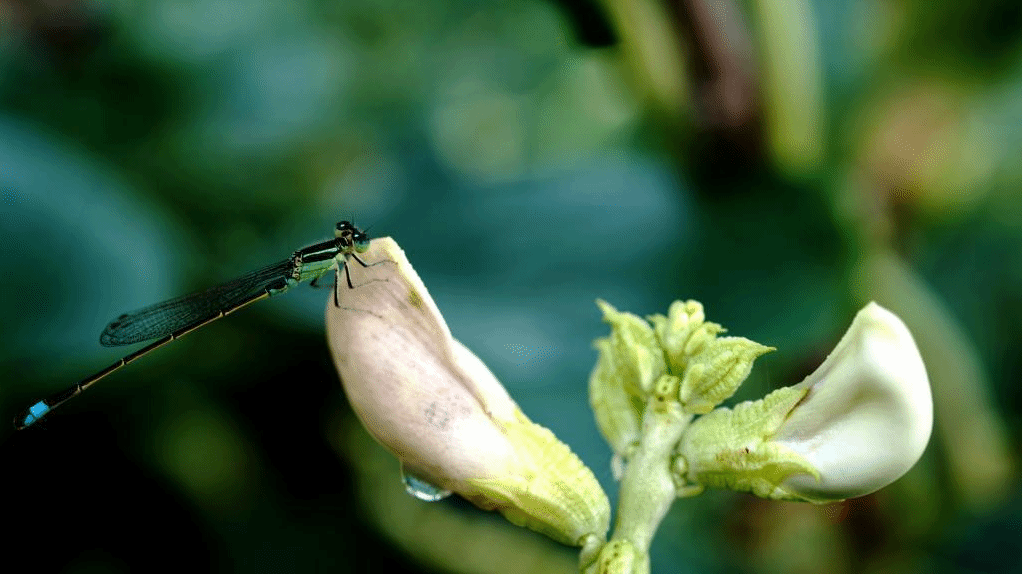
x=782 y=162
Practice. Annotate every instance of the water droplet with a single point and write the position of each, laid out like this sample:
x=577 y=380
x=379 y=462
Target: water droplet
x=421 y=489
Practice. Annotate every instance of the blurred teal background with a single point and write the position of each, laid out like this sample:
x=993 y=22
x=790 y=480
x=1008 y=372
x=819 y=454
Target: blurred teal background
x=781 y=162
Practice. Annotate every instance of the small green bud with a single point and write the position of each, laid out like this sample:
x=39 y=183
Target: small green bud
x=638 y=354
x=683 y=333
x=715 y=373
x=619 y=557
x=618 y=413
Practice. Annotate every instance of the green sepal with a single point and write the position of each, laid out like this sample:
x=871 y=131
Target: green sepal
x=551 y=491
x=731 y=448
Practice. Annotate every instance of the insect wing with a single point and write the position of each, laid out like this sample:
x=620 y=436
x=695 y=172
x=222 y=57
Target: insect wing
x=171 y=316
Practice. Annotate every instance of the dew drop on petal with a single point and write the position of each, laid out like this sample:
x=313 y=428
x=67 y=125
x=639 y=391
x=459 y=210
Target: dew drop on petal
x=421 y=489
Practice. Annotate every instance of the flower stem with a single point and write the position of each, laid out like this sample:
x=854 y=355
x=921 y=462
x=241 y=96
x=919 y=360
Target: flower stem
x=648 y=489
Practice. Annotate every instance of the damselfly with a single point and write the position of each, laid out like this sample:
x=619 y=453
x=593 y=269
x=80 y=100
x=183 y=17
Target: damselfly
x=178 y=317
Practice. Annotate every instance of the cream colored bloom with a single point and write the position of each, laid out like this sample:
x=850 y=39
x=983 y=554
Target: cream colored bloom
x=432 y=403
x=855 y=425
x=867 y=416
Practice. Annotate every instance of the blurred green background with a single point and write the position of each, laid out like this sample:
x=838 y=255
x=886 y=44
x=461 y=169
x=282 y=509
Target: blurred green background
x=782 y=162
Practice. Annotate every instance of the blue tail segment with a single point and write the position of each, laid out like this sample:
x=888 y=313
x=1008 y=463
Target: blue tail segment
x=32 y=414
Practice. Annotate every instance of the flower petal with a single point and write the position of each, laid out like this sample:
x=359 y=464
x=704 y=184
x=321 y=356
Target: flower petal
x=435 y=405
x=868 y=414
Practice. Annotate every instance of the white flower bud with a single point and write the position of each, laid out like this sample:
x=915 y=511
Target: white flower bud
x=867 y=415
x=442 y=413
x=855 y=425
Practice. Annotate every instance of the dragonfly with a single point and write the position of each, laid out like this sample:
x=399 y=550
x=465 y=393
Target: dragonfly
x=178 y=317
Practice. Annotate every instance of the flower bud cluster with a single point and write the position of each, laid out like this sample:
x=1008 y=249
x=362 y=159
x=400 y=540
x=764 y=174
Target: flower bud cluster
x=853 y=426
x=706 y=369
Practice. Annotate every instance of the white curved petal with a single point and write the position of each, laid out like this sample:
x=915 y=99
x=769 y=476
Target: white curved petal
x=417 y=390
x=868 y=414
